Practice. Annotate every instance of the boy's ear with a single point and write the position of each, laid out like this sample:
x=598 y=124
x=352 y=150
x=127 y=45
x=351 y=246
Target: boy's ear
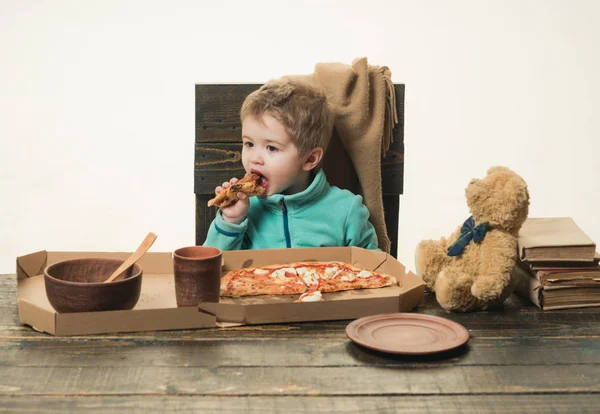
x=313 y=159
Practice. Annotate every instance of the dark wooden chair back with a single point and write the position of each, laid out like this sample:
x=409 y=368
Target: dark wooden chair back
x=219 y=149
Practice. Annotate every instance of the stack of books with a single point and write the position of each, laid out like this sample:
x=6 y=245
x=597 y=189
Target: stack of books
x=558 y=264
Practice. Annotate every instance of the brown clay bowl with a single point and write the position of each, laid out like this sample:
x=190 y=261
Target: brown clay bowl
x=76 y=285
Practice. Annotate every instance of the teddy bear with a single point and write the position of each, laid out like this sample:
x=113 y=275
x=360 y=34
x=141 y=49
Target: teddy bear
x=471 y=269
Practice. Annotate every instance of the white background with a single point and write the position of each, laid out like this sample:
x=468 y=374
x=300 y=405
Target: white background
x=97 y=106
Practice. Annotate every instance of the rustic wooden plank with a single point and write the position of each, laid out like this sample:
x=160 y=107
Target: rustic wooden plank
x=8 y=300
x=218 y=111
x=131 y=352
x=272 y=381
x=391 y=207
x=564 y=325
x=392 y=164
x=216 y=163
x=571 y=325
x=392 y=172
x=556 y=403
x=400 y=90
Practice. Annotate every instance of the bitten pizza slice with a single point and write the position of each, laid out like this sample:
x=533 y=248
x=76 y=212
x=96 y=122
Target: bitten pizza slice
x=250 y=185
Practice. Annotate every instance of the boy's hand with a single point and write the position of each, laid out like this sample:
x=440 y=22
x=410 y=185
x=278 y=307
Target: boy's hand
x=236 y=212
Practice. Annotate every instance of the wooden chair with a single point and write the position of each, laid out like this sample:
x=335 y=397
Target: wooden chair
x=219 y=146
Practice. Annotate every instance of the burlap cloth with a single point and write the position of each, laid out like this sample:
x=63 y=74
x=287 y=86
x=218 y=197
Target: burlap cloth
x=362 y=99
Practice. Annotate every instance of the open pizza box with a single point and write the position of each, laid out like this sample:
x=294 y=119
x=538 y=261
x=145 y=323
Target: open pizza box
x=157 y=310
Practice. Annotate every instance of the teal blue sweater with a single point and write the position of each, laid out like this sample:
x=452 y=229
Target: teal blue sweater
x=320 y=216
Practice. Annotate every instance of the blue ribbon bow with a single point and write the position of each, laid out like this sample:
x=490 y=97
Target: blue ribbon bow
x=468 y=231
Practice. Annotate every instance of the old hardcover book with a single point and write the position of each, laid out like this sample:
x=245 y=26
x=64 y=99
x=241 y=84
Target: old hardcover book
x=564 y=297
x=563 y=272
x=567 y=274
x=527 y=285
x=556 y=239
x=579 y=265
x=561 y=295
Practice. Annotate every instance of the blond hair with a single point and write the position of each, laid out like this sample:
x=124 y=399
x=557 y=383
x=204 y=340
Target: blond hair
x=301 y=109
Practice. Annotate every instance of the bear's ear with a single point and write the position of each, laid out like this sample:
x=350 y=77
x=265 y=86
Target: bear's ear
x=516 y=190
x=516 y=196
x=474 y=191
x=497 y=169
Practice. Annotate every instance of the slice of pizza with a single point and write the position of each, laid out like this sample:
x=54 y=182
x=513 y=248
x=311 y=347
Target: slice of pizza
x=249 y=185
x=343 y=276
x=265 y=280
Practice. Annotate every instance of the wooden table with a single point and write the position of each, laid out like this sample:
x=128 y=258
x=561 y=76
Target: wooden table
x=518 y=359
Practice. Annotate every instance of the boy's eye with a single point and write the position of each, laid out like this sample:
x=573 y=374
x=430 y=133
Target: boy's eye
x=248 y=144
x=271 y=148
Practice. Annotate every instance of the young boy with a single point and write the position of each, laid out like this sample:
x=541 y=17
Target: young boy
x=285 y=131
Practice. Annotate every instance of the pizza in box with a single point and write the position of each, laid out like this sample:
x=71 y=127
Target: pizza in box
x=307 y=279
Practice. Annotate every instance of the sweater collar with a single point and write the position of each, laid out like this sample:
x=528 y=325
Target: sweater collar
x=314 y=191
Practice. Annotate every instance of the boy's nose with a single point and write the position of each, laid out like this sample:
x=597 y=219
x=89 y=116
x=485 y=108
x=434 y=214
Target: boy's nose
x=256 y=159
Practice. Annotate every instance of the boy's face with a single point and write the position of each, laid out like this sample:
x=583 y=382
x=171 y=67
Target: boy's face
x=269 y=151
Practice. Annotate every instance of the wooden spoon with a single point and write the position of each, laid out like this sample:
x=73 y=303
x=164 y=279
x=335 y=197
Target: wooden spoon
x=135 y=256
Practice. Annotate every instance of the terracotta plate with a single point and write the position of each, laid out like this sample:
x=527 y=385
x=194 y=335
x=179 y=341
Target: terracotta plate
x=407 y=333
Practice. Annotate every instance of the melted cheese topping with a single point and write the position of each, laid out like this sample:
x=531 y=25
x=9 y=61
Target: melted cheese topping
x=310 y=276
x=348 y=278
x=260 y=272
x=330 y=272
x=280 y=274
x=311 y=297
x=364 y=274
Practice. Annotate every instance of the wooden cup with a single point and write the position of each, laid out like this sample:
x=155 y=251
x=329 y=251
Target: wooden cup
x=197 y=271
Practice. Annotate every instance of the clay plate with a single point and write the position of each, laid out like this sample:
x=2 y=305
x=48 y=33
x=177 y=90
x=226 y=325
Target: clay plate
x=407 y=333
